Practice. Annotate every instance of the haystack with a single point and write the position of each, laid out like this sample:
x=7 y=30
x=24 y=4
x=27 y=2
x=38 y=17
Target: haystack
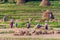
x=47 y=15
x=20 y=2
x=45 y=3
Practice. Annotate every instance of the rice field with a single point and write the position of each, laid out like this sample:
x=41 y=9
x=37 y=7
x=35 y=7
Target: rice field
x=29 y=9
x=33 y=24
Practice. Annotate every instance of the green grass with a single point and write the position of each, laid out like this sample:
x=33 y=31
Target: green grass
x=23 y=24
x=29 y=9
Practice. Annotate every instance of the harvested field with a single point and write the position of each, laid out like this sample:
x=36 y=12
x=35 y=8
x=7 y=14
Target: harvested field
x=40 y=37
x=11 y=35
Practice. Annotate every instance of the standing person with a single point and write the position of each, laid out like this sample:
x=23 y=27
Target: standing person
x=4 y=19
x=11 y=23
x=51 y=16
x=16 y=23
x=28 y=25
x=46 y=25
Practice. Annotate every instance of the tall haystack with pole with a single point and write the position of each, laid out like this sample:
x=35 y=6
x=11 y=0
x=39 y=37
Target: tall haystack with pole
x=20 y=2
x=47 y=15
x=45 y=3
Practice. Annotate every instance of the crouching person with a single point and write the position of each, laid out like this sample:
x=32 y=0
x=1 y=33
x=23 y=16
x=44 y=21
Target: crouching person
x=38 y=26
x=28 y=25
x=11 y=23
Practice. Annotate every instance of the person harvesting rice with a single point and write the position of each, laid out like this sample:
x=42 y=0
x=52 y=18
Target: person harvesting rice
x=11 y=23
